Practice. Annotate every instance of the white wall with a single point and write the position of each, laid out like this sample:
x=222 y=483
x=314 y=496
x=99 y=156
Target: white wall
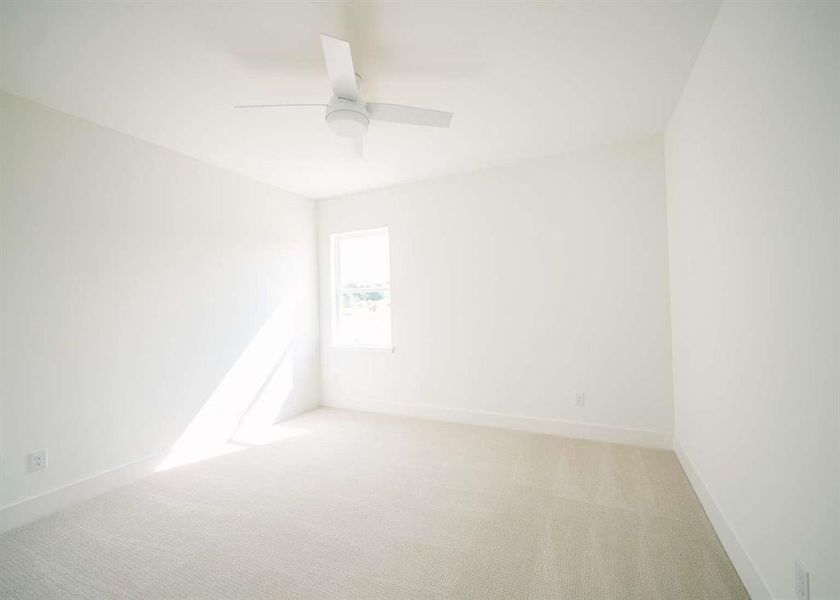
x=752 y=176
x=512 y=288
x=134 y=278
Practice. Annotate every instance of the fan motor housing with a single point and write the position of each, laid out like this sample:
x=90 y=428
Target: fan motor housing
x=347 y=118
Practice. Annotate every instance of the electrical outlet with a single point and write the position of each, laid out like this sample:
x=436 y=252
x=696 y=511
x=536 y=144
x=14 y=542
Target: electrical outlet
x=580 y=398
x=802 y=591
x=37 y=460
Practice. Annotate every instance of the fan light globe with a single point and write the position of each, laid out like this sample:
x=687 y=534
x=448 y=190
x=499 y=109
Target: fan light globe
x=348 y=123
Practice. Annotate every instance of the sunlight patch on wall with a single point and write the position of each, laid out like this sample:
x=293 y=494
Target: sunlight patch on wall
x=242 y=410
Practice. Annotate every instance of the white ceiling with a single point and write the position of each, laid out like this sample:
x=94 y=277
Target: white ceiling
x=524 y=79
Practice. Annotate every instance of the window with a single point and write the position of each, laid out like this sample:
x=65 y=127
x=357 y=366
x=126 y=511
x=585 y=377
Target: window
x=361 y=289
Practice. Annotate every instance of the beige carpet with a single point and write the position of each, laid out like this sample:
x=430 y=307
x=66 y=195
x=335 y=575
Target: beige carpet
x=367 y=506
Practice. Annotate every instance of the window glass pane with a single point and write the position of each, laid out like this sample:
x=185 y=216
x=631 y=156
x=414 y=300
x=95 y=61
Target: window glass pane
x=361 y=289
x=365 y=318
x=363 y=261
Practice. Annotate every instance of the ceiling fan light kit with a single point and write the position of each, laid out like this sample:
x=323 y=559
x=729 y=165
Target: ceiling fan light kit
x=347 y=118
x=346 y=114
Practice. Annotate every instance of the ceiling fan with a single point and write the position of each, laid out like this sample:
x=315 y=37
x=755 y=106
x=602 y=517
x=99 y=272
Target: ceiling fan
x=347 y=114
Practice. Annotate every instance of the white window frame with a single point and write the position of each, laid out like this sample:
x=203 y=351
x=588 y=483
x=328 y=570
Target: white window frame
x=336 y=290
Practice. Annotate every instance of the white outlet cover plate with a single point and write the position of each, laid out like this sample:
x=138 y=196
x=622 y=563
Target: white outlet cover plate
x=36 y=461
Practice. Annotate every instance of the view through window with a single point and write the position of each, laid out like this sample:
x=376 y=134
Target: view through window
x=361 y=289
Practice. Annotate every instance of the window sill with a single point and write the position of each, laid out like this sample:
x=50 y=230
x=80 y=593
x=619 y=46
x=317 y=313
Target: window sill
x=385 y=349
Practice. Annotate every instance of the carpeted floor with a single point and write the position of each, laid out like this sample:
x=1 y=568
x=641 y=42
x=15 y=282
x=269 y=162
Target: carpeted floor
x=366 y=506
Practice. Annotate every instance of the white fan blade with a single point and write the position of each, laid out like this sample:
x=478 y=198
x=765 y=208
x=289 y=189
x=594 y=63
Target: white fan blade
x=340 y=67
x=275 y=105
x=408 y=115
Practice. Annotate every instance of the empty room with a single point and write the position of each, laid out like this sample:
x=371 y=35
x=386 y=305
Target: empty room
x=420 y=300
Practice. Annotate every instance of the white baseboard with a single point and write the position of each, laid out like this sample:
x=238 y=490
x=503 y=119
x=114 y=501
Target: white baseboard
x=754 y=583
x=35 y=507
x=572 y=429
